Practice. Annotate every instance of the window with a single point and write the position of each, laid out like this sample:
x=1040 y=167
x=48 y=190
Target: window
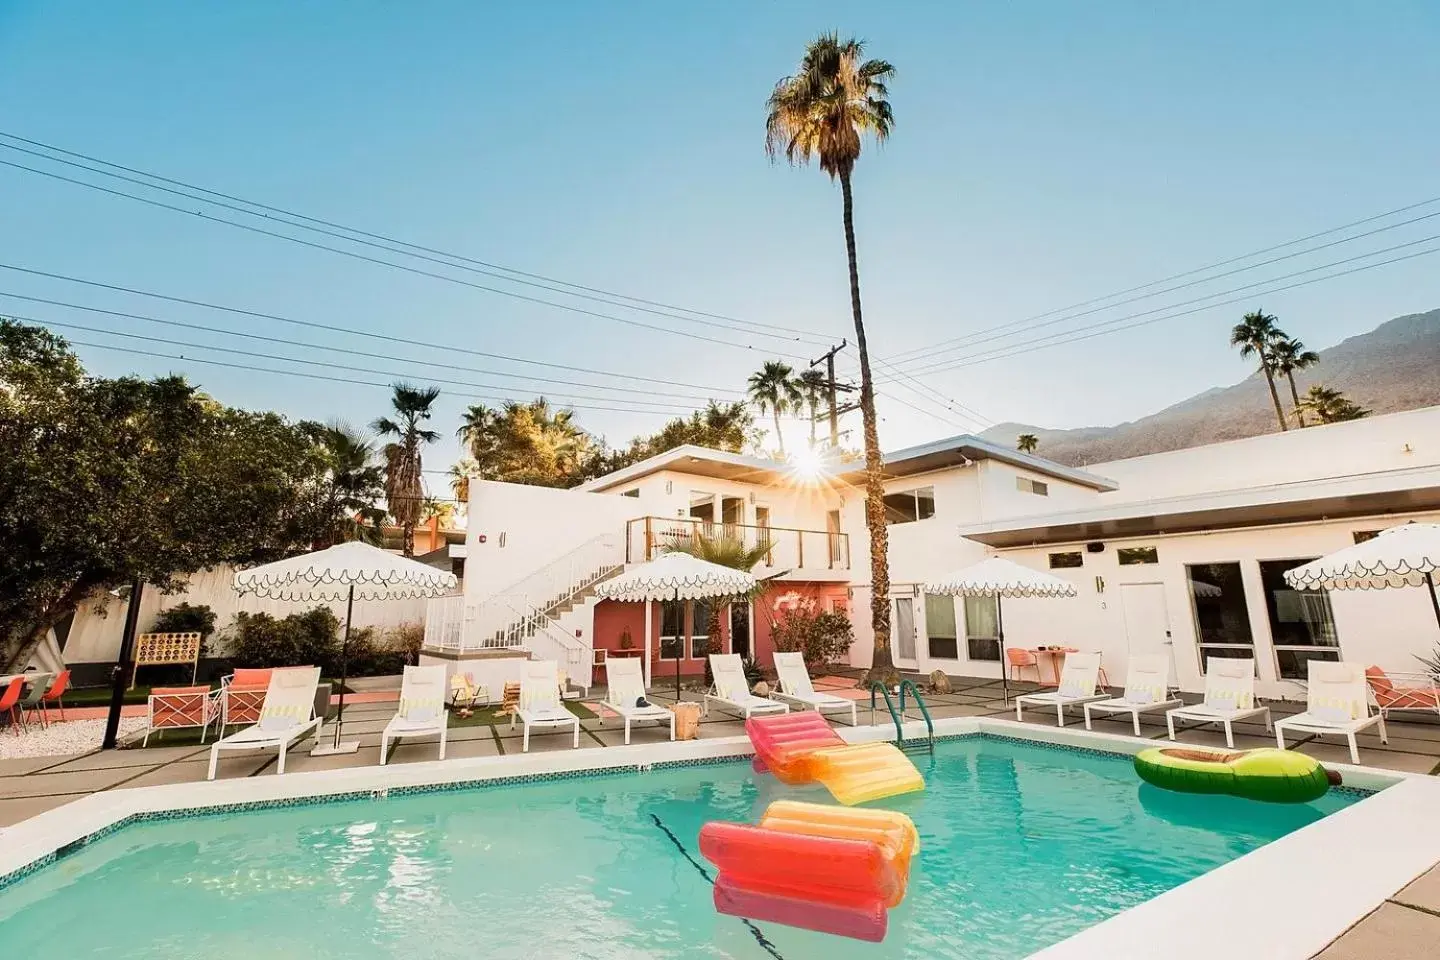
x=832 y=531
x=631 y=493
x=672 y=629
x=1302 y=625
x=982 y=628
x=740 y=627
x=700 y=629
x=907 y=506
x=1218 y=595
x=1363 y=535
x=1066 y=561
x=940 y=627
x=1128 y=556
x=1037 y=487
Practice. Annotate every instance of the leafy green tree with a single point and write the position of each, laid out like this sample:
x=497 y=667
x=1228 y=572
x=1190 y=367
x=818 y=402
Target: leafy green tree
x=350 y=488
x=773 y=388
x=1256 y=335
x=1291 y=355
x=824 y=112
x=1331 y=406
x=106 y=481
x=720 y=426
x=404 y=479
x=727 y=551
x=1027 y=443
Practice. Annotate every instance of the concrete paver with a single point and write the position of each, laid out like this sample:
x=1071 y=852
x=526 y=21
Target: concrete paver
x=47 y=784
x=23 y=808
x=1392 y=932
x=21 y=766
x=1423 y=893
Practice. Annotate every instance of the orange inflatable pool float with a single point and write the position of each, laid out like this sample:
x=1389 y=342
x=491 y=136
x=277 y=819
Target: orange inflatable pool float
x=803 y=748
x=820 y=868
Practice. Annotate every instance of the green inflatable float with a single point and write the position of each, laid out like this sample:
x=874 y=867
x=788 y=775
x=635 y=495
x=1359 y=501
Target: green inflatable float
x=1275 y=776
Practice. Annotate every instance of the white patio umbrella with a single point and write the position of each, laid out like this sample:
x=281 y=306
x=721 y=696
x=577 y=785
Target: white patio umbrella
x=1403 y=556
x=674 y=576
x=997 y=577
x=346 y=571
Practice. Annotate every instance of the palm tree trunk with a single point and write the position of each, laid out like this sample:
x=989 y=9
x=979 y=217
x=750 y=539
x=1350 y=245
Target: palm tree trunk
x=1295 y=399
x=407 y=539
x=814 y=415
x=882 y=666
x=779 y=437
x=1274 y=395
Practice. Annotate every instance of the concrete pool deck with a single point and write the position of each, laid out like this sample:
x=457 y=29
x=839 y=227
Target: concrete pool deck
x=1406 y=924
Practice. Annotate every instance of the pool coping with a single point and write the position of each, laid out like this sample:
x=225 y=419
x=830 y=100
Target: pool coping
x=1384 y=840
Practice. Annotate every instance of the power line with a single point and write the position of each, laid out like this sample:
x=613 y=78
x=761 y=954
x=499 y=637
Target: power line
x=332 y=328
x=954 y=406
x=1054 y=341
x=311 y=376
x=667 y=408
x=819 y=338
x=346 y=350
x=396 y=266
x=1223 y=263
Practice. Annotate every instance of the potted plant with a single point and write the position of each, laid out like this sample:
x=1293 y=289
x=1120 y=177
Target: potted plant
x=627 y=642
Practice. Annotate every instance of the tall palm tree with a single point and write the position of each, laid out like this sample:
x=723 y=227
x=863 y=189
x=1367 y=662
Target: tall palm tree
x=1027 y=442
x=404 y=482
x=478 y=432
x=773 y=388
x=461 y=472
x=1290 y=355
x=1255 y=335
x=823 y=112
x=814 y=388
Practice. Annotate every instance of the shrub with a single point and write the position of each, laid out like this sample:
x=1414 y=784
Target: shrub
x=375 y=654
x=187 y=618
x=823 y=638
x=301 y=639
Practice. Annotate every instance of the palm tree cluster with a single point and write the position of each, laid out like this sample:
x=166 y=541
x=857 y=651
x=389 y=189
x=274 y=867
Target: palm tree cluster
x=776 y=388
x=1259 y=336
x=527 y=442
x=404 y=478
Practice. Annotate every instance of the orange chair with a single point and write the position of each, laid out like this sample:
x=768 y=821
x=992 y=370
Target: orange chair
x=10 y=703
x=1019 y=657
x=242 y=694
x=172 y=707
x=56 y=695
x=1415 y=691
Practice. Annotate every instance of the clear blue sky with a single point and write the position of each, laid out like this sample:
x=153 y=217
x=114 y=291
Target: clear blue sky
x=1045 y=153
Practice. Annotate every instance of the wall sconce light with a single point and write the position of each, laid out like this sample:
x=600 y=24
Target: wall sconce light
x=1099 y=584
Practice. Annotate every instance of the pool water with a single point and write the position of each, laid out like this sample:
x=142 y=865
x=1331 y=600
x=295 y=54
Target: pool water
x=1021 y=846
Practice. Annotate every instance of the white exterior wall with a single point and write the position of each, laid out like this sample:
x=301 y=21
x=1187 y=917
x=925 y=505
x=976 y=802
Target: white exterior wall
x=524 y=528
x=1000 y=497
x=1384 y=627
x=1374 y=445
x=97 y=630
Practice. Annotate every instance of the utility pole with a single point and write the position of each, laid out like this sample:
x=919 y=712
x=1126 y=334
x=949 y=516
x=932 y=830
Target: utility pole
x=831 y=387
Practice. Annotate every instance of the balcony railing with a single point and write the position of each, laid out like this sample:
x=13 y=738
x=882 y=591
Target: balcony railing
x=790 y=548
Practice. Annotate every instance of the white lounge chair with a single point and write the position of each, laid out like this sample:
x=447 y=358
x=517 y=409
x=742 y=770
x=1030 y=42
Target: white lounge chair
x=1335 y=703
x=1229 y=696
x=540 y=704
x=287 y=714
x=422 y=709
x=797 y=690
x=732 y=690
x=1077 y=687
x=1147 y=687
x=624 y=688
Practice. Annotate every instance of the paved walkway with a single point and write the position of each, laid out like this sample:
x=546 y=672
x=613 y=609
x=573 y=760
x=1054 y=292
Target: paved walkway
x=1408 y=922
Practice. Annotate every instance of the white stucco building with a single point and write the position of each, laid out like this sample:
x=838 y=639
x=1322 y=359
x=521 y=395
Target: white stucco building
x=1180 y=552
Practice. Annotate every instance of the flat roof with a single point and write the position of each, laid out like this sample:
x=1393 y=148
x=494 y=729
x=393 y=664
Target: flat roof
x=697 y=460
x=1410 y=490
x=964 y=448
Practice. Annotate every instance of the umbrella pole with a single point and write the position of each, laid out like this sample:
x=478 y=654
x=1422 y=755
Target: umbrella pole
x=681 y=654
x=1434 y=600
x=1000 y=629
x=344 y=665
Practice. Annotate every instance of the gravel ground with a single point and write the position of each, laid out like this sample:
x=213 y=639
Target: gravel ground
x=59 y=739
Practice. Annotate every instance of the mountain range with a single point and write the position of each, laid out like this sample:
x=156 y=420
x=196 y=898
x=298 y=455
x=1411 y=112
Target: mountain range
x=1394 y=367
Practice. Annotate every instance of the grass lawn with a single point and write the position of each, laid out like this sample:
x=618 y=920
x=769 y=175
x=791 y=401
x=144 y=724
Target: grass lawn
x=100 y=696
x=491 y=715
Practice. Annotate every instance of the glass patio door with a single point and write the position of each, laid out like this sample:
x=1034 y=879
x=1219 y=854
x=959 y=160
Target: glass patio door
x=902 y=633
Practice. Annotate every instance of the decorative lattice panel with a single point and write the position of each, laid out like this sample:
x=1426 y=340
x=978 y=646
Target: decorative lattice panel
x=155 y=649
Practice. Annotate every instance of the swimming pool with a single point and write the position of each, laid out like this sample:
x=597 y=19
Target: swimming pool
x=1022 y=845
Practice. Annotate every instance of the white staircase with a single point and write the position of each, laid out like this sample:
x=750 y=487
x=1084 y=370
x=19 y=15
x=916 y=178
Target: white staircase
x=540 y=613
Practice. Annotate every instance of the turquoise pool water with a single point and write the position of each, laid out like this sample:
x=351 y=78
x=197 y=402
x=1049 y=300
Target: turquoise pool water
x=1022 y=845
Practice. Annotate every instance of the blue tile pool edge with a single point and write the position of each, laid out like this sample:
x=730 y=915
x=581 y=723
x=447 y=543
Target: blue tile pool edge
x=385 y=793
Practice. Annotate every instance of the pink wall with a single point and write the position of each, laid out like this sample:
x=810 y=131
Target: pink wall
x=612 y=617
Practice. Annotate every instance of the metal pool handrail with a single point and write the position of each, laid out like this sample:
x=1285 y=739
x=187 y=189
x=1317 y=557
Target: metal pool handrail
x=899 y=717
